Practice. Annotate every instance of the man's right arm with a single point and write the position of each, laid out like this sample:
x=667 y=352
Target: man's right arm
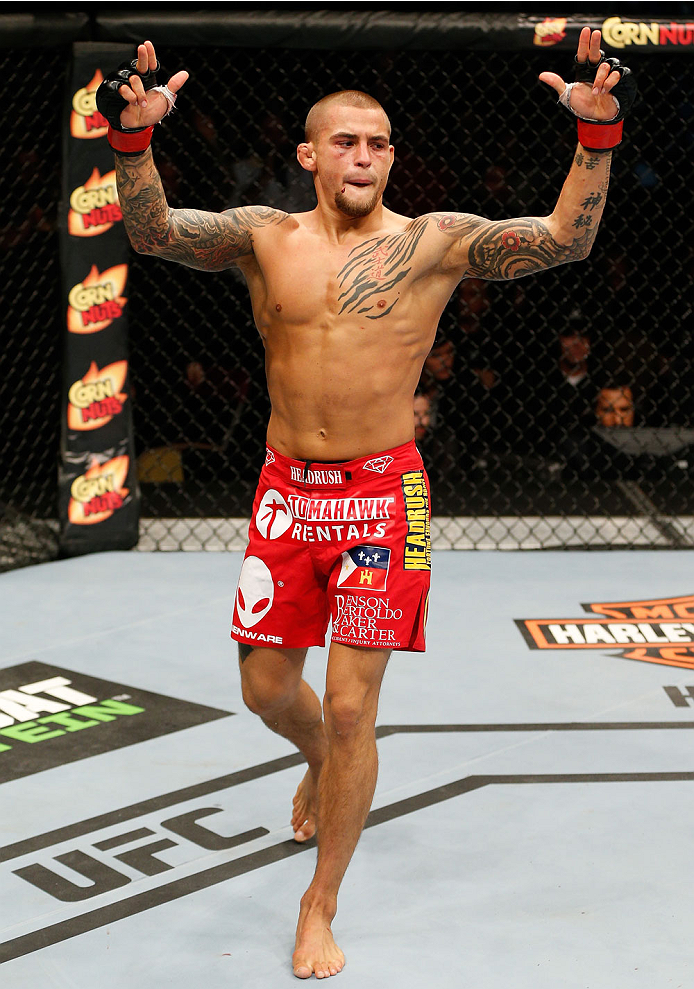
x=199 y=239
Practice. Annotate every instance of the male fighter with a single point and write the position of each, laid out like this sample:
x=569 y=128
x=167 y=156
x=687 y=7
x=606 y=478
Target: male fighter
x=346 y=299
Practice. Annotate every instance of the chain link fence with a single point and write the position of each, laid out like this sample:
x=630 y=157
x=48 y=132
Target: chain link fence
x=554 y=412
x=31 y=328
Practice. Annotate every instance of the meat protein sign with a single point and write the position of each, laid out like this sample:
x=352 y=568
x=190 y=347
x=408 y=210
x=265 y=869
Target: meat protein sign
x=98 y=493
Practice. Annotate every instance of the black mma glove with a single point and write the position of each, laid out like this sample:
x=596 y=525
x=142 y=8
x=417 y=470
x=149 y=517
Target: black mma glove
x=127 y=141
x=602 y=135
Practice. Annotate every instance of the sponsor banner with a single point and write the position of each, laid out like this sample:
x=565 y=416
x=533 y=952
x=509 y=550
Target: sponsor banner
x=620 y=35
x=97 y=397
x=317 y=520
x=365 y=619
x=659 y=631
x=340 y=509
x=94 y=498
x=51 y=716
x=319 y=477
x=95 y=302
x=99 y=498
x=417 y=552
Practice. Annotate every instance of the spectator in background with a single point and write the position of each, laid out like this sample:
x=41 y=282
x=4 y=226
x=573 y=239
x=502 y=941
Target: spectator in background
x=438 y=366
x=438 y=445
x=575 y=351
x=423 y=417
x=560 y=403
x=615 y=406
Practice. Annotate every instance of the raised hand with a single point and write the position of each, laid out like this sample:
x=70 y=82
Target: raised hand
x=147 y=108
x=592 y=102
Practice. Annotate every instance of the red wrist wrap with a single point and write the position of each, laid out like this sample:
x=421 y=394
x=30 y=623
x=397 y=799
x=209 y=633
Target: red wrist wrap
x=599 y=137
x=130 y=143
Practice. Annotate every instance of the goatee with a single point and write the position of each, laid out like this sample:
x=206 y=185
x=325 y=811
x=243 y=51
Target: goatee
x=355 y=209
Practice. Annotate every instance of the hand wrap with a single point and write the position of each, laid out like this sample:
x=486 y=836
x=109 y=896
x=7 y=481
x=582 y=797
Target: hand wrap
x=602 y=135
x=126 y=141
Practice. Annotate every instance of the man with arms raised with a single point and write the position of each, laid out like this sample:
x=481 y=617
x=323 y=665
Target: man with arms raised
x=346 y=299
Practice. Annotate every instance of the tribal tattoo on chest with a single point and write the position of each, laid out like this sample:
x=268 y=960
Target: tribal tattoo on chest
x=375 y=267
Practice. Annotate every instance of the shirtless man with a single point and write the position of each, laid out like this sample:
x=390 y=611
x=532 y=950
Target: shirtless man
x=346 y=298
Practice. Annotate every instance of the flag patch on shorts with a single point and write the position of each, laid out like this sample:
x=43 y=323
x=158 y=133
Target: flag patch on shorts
x=365 y=568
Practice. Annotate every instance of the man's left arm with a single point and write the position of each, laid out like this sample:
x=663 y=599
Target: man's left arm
x=480 y=248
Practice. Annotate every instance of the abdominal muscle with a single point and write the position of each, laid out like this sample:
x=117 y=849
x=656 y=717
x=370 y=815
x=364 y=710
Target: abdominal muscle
x=343 y=392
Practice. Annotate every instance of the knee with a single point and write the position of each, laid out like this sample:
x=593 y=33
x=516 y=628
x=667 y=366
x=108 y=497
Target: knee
x=267 y=692
x=348 y=712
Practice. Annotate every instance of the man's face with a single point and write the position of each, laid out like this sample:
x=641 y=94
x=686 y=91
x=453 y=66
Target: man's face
x=615 y=407
x=352 y=157
x=422 y=416
x=575 y=348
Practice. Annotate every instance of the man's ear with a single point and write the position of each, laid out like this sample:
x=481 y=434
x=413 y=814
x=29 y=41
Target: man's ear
x=306 y=157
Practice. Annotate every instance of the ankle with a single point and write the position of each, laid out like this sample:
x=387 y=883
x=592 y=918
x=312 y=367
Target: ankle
x=319 y=903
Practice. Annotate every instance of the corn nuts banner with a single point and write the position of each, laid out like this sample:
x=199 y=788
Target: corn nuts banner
x=98 y=499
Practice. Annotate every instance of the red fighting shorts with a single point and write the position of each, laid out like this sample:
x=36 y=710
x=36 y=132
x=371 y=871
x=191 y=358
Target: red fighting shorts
x=347 y=543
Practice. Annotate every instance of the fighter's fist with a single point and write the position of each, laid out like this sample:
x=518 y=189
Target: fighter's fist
x=127 y=97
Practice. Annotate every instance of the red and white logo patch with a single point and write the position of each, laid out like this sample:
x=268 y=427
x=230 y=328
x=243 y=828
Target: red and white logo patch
x=378 y=465
x=274 y=515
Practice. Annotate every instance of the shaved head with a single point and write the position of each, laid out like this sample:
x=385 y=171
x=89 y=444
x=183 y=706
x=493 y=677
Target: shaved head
x=346 y=97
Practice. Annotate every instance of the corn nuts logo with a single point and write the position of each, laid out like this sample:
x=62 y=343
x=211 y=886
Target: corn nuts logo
x=551 y=31
x=86 y=122
x=97 y=397
x=98 y=493
x=94 y=206
x=94 y=303
x=619 y=33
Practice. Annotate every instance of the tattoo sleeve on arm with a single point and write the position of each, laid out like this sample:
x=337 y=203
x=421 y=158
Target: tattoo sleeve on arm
x=507 y=249
x=199 y=239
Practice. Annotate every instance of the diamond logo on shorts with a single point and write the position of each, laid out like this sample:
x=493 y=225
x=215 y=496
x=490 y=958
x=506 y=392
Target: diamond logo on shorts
x=365 y=568
x=269 y=457
x=378 y=465
x=274 y=515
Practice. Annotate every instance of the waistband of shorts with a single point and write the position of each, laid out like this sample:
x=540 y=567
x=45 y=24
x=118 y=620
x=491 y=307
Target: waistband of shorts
x=315 y=474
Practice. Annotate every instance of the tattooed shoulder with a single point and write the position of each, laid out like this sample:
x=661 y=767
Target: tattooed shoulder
x=214 y=241
x=456 y=224
x=506 y=249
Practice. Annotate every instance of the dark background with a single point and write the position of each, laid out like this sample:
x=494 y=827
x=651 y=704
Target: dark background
x=474 y=131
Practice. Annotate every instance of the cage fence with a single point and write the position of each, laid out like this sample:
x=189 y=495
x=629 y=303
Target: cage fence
x=555 y=411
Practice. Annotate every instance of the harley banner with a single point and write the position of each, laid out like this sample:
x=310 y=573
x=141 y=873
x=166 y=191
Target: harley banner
x=99 y=499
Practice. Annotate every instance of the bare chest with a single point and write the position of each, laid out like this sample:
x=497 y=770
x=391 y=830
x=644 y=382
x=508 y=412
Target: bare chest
x=310 y=280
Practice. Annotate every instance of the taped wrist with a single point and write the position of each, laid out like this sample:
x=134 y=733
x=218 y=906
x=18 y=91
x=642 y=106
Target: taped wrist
x=129 y=143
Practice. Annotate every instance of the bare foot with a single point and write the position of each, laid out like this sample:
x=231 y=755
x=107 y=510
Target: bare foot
x=304 y=815
x=316 y=950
